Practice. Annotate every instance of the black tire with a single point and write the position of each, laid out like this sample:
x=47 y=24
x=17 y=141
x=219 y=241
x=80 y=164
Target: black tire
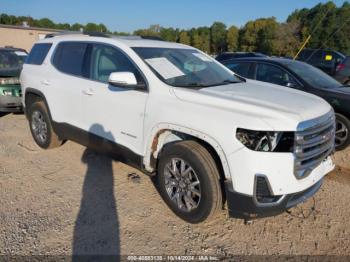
x=205 y=171
x=342 y=138
x=51 y=140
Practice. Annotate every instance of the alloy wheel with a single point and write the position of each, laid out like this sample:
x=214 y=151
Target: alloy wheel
x=182 y=184
x=341 y=133
x=39 y=126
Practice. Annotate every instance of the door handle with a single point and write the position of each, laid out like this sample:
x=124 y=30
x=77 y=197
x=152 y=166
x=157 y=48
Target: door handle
x=45 y=82
x=88 y=92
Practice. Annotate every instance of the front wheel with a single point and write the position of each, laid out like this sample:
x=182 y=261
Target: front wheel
x=342 y=138
x=188 y=181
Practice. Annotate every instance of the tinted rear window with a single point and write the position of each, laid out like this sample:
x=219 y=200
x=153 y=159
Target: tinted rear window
x=38 y=54
x=69 y=57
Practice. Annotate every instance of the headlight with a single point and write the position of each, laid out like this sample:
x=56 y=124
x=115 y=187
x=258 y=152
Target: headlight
x=266 y=141
x=9 y=81
x=7 y=92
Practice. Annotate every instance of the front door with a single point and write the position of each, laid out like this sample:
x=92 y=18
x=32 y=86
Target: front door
x=115 y=113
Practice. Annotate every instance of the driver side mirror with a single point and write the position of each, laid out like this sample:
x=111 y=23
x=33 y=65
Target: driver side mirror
x=125 y=80
x=122 y=79
x=292 y=85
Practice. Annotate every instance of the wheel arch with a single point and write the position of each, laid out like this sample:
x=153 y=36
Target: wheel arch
x=32 y=95
x=165 y=134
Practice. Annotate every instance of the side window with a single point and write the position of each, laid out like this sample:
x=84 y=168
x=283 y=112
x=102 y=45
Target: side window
x=106 y=60
x=275 y=75
x=38 y=54
x=241 y=69
x=69 y=57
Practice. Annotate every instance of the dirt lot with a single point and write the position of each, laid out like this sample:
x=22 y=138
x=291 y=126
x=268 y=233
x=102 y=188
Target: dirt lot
x=70 y=200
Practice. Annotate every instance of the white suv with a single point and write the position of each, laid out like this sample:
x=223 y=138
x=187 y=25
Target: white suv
x=172 y=111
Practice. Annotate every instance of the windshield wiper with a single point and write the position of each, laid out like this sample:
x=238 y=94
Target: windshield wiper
x=190 y=85
x=227 y=81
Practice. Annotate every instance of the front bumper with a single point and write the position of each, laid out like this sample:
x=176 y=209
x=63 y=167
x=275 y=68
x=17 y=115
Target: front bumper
x=10 y=103
x=247 y=207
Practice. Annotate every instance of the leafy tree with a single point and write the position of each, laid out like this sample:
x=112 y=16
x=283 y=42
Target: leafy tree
x=64 y=26
x=92 y=27
x=168 y=34
x=287 y=40
x=77 y=27
x=232 y=38
x=44 y=22
x=218 y=37
x=258 y=35
x=184 y=38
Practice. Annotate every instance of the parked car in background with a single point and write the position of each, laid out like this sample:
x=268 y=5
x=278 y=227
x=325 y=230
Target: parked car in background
x=153 y=105
x=11 y=61
x=301 y=76
x=342 y=72
x=230 y=55
x=325 y=59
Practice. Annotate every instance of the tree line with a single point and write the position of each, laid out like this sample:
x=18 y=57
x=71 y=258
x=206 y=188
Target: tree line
x=265 y=35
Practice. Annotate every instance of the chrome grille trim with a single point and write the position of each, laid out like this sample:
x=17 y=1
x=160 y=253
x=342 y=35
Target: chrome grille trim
x=314 y=142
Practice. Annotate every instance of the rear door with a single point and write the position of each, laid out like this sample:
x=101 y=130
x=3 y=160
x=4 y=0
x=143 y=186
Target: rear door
x=66 y=82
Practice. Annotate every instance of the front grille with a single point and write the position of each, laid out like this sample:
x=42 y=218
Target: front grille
x=314 y=141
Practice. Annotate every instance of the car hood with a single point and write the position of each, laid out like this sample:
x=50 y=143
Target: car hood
x=282 y=108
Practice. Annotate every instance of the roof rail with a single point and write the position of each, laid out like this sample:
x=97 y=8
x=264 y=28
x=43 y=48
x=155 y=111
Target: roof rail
x=63 y=33
x=98 y=34
x=157 y=38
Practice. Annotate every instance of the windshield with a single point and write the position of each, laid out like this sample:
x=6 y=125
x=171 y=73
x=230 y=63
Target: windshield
x=11 y=59
x=312 y=75
x=185 y=67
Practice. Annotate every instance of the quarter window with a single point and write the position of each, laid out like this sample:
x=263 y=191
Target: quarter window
x=38 y=53
x=69 y=58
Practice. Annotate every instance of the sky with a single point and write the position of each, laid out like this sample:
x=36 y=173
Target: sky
x=130 y=15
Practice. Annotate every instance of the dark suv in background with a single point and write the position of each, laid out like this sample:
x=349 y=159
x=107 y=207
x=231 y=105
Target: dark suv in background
x=304 y=77
x=325 y=59
x=230 y=55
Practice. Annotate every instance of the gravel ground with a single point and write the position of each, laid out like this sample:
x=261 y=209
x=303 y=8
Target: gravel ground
x=71 y=200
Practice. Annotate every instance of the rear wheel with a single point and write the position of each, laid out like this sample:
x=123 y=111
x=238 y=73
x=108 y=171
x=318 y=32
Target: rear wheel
x=342 y=138
x=188 y=181
x=41 y=127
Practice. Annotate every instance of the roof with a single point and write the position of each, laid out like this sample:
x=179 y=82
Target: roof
x=29 y=28
x=130 y=41
x=278 y=60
